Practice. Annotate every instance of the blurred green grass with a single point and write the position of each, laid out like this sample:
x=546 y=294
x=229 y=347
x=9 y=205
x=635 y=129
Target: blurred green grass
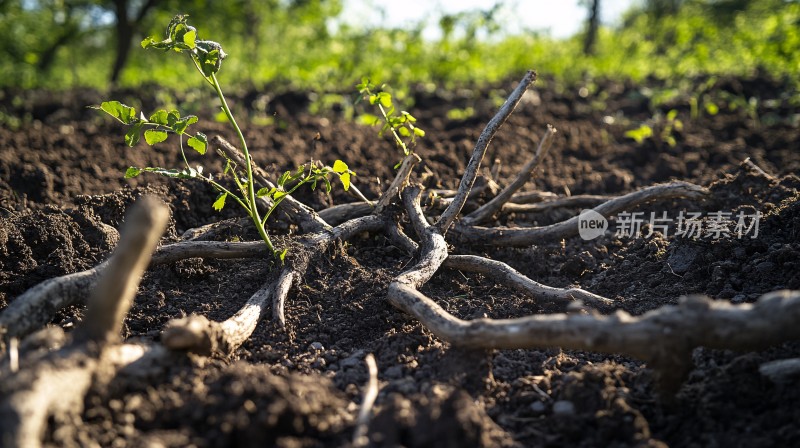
x=294 y=48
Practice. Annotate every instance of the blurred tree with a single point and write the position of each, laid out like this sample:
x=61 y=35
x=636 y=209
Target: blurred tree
x=592 y=23
x=129 y=16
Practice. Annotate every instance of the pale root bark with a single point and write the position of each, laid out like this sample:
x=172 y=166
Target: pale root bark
x=199 y=335
x=664 y=338
x=53 y=387
x=580 y=201
x=508 y=276
x=520 y=236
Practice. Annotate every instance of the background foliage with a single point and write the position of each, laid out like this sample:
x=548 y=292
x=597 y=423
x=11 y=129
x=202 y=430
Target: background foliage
x=301 y=44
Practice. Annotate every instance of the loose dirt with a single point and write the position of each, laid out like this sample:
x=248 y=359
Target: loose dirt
x=61 y=190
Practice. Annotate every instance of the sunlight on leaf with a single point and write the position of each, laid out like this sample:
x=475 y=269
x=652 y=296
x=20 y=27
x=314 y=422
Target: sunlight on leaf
x=345 y=178
x=133 y=134
x=132 y=172
x=153 y=136
x=125 y=114
x=339 y=167
x=199 y=143
x=640 y=134
x=220 y=202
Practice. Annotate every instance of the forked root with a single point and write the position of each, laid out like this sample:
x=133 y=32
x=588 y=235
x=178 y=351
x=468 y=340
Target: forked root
x=200 y=335
x=664 y=338
x=521 y=236
x=505 y=274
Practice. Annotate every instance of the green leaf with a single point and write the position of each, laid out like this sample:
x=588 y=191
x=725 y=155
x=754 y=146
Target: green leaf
x=640 y=134
x=345 y=178
x=220 y=202
x=419 y=132
x=199 y=143
x=132 y=172
x=712 y=109
x=404 y=132
x=153 y=136
x=265 y=192
x=340 y=167
x=209 y=56
x=285 y=177
x=189 y=38
x=125 y=114
x=386 y=99
x=278 y=195
x=181 y=124
x=133 y=134
x=172 y=117
x=282 y=254
x=368 y=119
x=672 y=114
x=159 y=117
x=408 y=116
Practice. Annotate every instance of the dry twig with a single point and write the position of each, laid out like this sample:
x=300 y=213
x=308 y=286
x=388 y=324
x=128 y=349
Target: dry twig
x=488 y=133
x=488 y=210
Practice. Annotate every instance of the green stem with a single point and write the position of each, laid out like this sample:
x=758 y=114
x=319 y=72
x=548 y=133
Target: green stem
x=251 y=191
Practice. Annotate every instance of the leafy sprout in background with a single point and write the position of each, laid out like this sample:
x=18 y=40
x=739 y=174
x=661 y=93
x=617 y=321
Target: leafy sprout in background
x=401 y=124
x=668 y=123
x=207 y=57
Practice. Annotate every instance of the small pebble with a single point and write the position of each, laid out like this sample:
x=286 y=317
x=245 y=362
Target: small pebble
x=563 y=407
x=316 y=346
x=538 y=407
x=765 y=266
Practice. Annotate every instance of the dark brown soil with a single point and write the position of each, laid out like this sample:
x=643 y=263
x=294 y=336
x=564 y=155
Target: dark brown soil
x=61 y=184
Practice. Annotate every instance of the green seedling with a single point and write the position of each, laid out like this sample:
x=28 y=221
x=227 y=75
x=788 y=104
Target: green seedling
x=400 y=124
x=669 y=124
x=207 y=57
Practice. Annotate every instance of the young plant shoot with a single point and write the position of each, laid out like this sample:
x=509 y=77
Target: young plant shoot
x=207 y=57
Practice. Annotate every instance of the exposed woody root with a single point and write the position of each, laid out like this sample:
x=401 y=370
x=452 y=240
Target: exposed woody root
x=53 y=385
x=664 y=338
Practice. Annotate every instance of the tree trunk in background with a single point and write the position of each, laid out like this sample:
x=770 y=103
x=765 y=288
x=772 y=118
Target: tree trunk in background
x=591 y=29
x=125 y=30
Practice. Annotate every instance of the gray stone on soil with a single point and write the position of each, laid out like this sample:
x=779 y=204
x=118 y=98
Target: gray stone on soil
x=563 y=407
x=538 y=407
x=681 y=259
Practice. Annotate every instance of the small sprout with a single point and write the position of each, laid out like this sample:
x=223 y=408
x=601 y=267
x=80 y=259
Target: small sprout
x=207 y=57
x=640 y=134
x=400 y=125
